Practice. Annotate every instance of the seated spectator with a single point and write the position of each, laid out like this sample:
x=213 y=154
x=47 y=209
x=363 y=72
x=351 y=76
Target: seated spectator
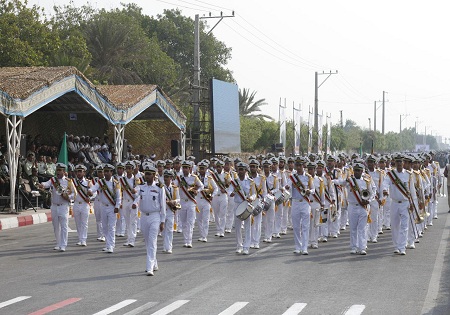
x=42 y=169
x=4 y=177
x=51 y=166
x=29 y=163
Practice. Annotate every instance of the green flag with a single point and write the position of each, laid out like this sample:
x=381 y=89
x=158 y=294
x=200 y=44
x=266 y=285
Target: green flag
x=63 y=155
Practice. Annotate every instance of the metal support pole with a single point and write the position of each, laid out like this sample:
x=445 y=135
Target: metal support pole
x=13 y=132
x=119 y=135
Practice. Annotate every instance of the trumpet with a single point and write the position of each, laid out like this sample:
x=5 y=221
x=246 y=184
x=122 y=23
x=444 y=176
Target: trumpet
x=174 y=205
x=61 y=190
x=365 y=194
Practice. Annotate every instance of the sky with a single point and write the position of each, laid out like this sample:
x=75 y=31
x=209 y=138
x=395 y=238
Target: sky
x=400 y=47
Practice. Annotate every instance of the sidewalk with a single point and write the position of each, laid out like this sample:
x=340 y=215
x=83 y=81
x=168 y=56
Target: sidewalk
x=24 y=218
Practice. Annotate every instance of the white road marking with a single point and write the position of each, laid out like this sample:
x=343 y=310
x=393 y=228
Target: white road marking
x=260 y=251
x=142 y=308
x=233 y=309
x=295 y=309
x=355 y=310
x=116 y=307
x=171 y=307
x=433 y=287
x=12 y=301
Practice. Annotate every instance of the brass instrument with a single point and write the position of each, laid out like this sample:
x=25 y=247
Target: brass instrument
x=61 y=190
x=174 y=206
x=365 y=194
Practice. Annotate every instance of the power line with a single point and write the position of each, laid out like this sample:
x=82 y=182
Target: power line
x=182 y=6
x=314 y=65
x=268 y=52
x=270 y=45
x=213 y=5
x=197 y=5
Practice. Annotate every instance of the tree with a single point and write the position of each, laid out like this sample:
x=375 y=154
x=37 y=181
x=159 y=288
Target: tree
x=25 y=35
x=248 y=106
x=123 y=54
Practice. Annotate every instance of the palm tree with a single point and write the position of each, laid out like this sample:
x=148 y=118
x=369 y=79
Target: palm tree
x=248 y=106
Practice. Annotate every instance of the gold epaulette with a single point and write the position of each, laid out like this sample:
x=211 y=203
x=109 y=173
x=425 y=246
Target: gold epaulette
x=159 y=185
x=307 y=174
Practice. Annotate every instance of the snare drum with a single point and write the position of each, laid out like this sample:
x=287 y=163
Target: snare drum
x=279 y=197
x=257 y=207
x=244 y=210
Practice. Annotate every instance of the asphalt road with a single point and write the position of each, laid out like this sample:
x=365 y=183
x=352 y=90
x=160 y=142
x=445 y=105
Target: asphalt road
x=212 y=279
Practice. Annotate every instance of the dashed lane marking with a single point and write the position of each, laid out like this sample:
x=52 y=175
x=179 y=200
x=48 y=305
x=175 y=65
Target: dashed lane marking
x=171 y=307
x=233 y=309
x=12 y=301
x=295 y=309
x=115 y=307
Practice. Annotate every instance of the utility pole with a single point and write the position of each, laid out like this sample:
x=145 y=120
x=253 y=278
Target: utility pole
x=382 y=122
x=404 y=116
x=370 y=124
x=342 y=120
x=375 y=116
x=316 y=102
x=196 y=95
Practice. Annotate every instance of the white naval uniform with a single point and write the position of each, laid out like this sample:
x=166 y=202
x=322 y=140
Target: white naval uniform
x=152 y=204
x=247 y=189
x=400 y=207
x=220 y=203
x=120 y=222
x=98 y=213
x=331 y=193
x=280 y=209
x=301 y=211
x=261 y=190
x=60 y=210
x=130 y=215
x=333 y=227
x=377 y=184
x=188 y=206
x=229 y=217
x=204 y=206
x=269 y=218
x=109 y=217
x=357 y=214
x=81 y=209
x=172 y=193
x=316 y=206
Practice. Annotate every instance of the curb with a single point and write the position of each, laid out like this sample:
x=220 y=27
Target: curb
x=25 y=220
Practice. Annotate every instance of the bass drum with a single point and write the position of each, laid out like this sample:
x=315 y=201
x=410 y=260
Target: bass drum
x=244 y=210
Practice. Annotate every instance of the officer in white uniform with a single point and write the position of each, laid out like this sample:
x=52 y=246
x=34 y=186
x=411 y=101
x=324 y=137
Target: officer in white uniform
x=172 y=206
x=400 y=185
x=261 y=193
x=81 y=204
x=189 y=185
x=110 y=200
x=120 y=223
x=62 y=192
x=301 y=187
x=97 y=205
x=220 y=200
x=151 y=198
x=128 y=185
x=243 y=189
x=204 y=200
